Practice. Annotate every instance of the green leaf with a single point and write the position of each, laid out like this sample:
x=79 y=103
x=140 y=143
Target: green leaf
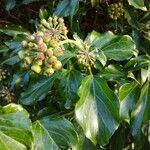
x=97 y=110
x=37 y=91
x=15 y=131
x=3 y=49
x=139 y=4
x=29 y=1
x=14 y=30
x=66 y=8
x=69 y=84
x=10 y=4
x=116 y=47
x=11 y=61
x=42 y=138
x=61 y=130
x=138 y=63
x=128 y=94
x=112 y=72
x=141 y=112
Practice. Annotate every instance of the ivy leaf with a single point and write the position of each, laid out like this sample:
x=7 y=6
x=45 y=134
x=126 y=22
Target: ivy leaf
x=128 y=95
x=15 y=131
x=61 y=130
x=139 y=4
x=14 y=30
x=69 y=84
x=116 y=47
x=10 y=4
x=141 y=112
x=37 y=91
x=97 y=110
x=112 y=72
x=42 y=138
x=66 y=8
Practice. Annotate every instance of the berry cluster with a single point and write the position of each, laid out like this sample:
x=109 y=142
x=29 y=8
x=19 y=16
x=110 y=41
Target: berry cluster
x=3 y=74
x=115 y=10
x=41 y=49
x=6 y=94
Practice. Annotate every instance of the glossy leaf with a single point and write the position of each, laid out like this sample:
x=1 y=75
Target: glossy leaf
x=15 y=131
x=97 y=110
x=66 y=8
x=42 y=138
x=141 y=112
x=128 y=94
x=61 y=130
x=138 y=4
x=37 y=91
x=14 y=30
x=69 y=84
x=116 y=47
x=112 y=72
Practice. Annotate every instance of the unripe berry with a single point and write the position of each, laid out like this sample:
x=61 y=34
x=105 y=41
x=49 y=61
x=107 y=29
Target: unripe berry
x=49 y=53
x=36 y=68
x=24 y=43
x=21 y=54
x=40 y=56
x=31 y=38
x=58 y=52
x=40 y=33
x=31 y=45
x=49 y=71
x=58 y=65
x=42 y=47
x=39 y=62
x=27 y=60
x=38 y=39
x=53 y=60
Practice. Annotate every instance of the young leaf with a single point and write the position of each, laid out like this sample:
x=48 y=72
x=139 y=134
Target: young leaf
x=141 y=112
x=15 y=131
x=97 y=111
x=42 y=138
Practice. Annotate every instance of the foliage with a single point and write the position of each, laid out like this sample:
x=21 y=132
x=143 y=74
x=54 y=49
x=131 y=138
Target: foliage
x=67 y=85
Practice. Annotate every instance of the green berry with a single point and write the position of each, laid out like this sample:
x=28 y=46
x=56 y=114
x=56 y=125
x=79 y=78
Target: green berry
x=27 y=60
x=58 y=52
x=49 y=53
x=36 y=68
x=49 y=71
x=53 y=60
x=24 y=43
x=58 y=65
x=31 y=38
x=21 y=54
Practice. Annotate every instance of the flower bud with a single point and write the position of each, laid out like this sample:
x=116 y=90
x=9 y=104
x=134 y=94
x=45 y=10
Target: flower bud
x=49 y=71
x=53 y=60
x=39 y=62
x=42 y=47
x=40 y=56
x=38 y=39
x=24 y=43
x=36 y=68
x=27 y=60
x=31 y=38
x=58 y=52
x=49 y=53
x=21 y=54
x=31 y=45
x=58 y=65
